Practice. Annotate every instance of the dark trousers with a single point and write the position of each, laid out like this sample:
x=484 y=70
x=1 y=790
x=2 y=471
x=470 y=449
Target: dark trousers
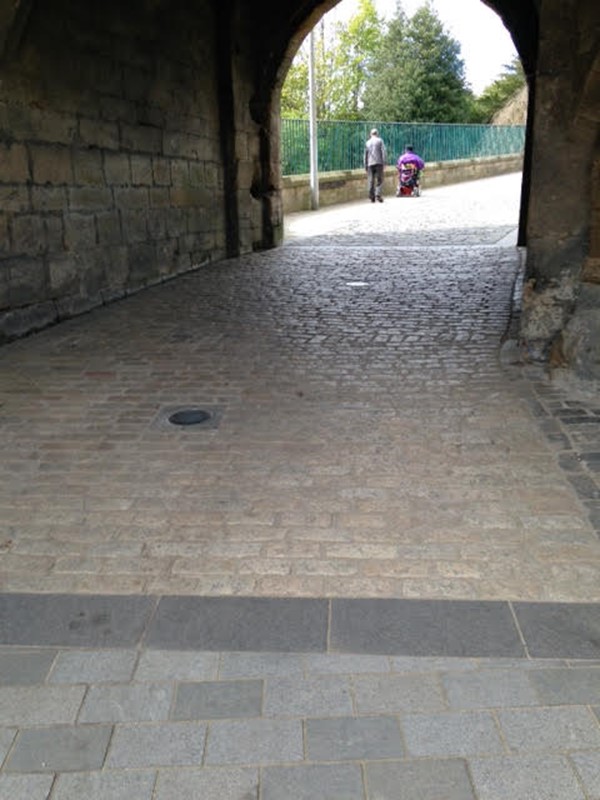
x=375 y=175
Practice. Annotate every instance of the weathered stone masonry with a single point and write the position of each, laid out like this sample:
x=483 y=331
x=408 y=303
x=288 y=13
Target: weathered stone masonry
x=140 y=140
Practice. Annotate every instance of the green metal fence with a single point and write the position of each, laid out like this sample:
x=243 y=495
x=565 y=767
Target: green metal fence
x=341 y=145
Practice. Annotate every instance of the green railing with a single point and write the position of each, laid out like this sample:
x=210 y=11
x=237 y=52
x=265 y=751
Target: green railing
x=341 y=145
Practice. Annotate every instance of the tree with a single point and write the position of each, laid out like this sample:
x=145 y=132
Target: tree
x=495 y=96
x=343 y=59
x=418 y=74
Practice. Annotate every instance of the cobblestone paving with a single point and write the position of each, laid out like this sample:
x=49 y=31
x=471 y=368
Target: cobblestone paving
x=367 y=440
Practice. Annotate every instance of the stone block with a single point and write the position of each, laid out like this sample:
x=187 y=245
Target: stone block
x=534 y=730
x=166 y=745
x=134 y=226
x=141 y=170
x=159 y=198
x=161 y=171
x=256 y=741
x=14 y=198
x=108 y=226
x=116 y=785
x=64 y=275
x=131 y=198
x=431 y=779
x=178 y=665
x=180 y=172
x=156 y=222
x=216 y=783
x=99 y=133
x=33 y=787
x=28 y=281
x=48 y=198
x=117 y=169
x=307 y=782
x=26 y=706
x=24 y=667
x=27 y=235
x=536 y=778
x=51 y=165
x=14 y=165
x=60 y=749
x=87 y=167
x=460 y=734
x=145 y=702
x=92 y=666
x=89 y=198
x=218 y=700
x=80 y=231
x=390 y=693
x=141 y=138
x=353 y=739
x=54 y=232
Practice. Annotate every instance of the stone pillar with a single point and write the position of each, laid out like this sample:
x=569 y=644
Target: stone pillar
x=560 y=230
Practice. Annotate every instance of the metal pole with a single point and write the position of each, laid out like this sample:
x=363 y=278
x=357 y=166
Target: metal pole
x=312 y=114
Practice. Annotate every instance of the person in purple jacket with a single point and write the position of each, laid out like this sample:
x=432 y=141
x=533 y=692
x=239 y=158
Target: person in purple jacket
x=409 y=160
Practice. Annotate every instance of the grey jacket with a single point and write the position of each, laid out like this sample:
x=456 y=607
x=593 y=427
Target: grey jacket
x=374 y=152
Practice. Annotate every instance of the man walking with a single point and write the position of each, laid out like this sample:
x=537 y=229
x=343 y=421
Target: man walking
x=374 y=165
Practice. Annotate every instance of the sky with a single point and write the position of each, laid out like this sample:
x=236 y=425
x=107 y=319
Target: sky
x=486 y=45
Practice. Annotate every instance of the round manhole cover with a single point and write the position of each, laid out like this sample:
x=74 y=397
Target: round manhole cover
x=189 y=416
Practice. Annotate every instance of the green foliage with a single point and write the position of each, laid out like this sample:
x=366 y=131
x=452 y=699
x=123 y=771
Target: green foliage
x=497 y=94
x=418 y=74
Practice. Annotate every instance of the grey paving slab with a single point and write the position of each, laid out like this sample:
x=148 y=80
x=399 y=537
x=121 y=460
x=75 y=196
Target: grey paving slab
x=587 y=766
x=212 y=783
x=560 y=630
x=117 y=785
x=424 y=628
x=579 y=686
x=525 y=778
x=25 y=787
x=127 y=703
x=254 y=742
x=7 y=737
x=353 y=739
x=40 y=705
x=260 y=665
x=24 y=666
x=490 y=688
x=549 y=729
x=246 y=623
x=456 y=734
x=73 y=620
x=425 y=664
x=312 y=696
x=60 y=749
x=320 y=663
x=390 y=693
x=327 y=782
x=428 y=779
x=218 y=700
x=159 y=745
x=93 y=666
x=155 y=665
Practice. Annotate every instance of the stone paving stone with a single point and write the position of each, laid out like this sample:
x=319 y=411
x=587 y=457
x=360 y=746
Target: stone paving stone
x=260 y=665
x=218 y=700
x=489 y=689
x=117 y=785
x=390 y=693
x=25 y=787
x=549 y=729
x=424 y=628
x=312 y=696
x=93 y=666
x=212 y=783
x=127 y=703
x=525 y=778
x=24 y=666
x=254 y=742
x=250 y=623
x=72 y=620
x=587 y=766
x=578 y=686
x=560 y=630
x=424 y=664
x=40 y=705
x=7 y=737
x=156 y=665
x=60 y=749
x=321 y=663
x=353 y=738
x=158 y=745
x=457 y=734
x=429 y=779
x=327 y=782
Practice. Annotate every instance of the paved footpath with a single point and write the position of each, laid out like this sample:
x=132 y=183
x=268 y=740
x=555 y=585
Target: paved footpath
x=373 y=572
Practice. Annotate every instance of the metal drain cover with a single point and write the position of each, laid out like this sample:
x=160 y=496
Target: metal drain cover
x=190 y=416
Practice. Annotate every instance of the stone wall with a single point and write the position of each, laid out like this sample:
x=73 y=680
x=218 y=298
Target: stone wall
x=343 y=187
x=110 y=157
